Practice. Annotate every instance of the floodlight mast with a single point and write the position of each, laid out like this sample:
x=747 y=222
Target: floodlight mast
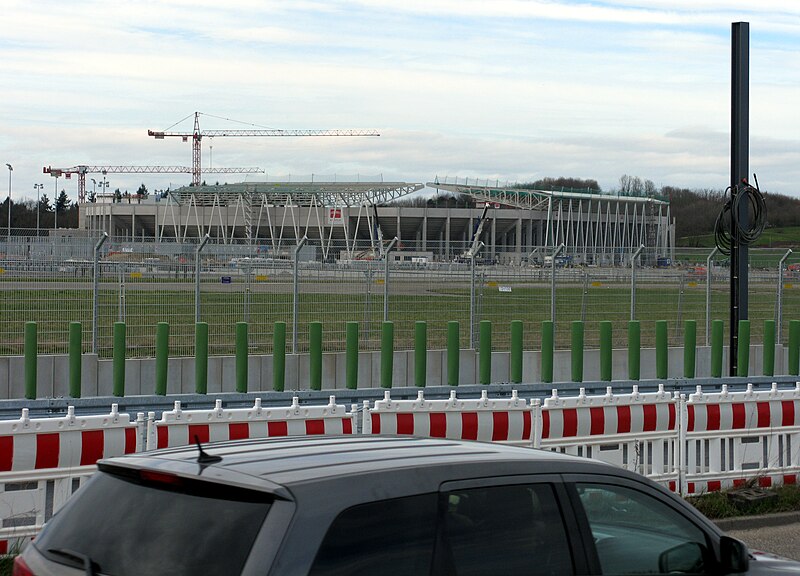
x=197 y=136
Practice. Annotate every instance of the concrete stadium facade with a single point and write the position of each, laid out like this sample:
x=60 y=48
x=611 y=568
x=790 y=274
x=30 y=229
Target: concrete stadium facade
x=348 y=221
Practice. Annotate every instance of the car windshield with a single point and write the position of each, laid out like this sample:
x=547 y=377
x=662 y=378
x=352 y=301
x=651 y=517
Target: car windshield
x=165 y=525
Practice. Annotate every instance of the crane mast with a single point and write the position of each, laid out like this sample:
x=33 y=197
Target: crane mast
x=197 y=135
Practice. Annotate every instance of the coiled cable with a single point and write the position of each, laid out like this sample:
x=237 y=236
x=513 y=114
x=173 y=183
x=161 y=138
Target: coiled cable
x=728 y=228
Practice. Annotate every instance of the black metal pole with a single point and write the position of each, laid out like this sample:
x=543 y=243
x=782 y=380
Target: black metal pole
x=740 y=152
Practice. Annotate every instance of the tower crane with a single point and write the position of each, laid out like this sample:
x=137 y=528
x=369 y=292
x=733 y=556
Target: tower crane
x=197 y=135
x=82 y=170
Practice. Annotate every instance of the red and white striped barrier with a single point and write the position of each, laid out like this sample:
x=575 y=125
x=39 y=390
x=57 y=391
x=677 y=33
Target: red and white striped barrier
x=179 y=427
x=736 y=437
x=65 y=442
x=496 y=419
x=635 y=431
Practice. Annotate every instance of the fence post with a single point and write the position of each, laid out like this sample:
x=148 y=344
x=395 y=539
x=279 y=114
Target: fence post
x=241 y=357
x=485 y=352
x=743 y=357
x=197 y=251
x=779 y=300
x=351 y=364
x=201 y=357
x=708 y=291
x=633 y=281
x=557 y=251
x=689 y=348
x=162 y=357
x=769 y=348
x=296 y=286
x=606 y=350
x=577 y=351
x=387 y=354
x=516 y=352
x=118 y=365
x=75 y=358
x=717 y=329
x=662 y=350
x=634 y=349
x=31 y=360
x=453 y=352
x=794 y=347
x=420 y=353
x=472 y=254
x=547 y=350
x=279 y=357
x=315 y=355
x=96 y=292
x=386 y=278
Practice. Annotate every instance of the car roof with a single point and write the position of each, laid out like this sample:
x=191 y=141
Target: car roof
x=269 y=464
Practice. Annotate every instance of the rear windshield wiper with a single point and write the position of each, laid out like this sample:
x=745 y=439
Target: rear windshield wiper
x=85 y=561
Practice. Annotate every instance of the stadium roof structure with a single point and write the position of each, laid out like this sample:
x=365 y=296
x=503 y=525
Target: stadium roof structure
x=531 y=199
x=307 y=193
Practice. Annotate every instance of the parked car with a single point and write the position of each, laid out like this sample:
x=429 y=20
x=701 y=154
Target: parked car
x=368 y=505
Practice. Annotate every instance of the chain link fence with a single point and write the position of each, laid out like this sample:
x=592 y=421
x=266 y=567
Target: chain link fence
x=52 y=282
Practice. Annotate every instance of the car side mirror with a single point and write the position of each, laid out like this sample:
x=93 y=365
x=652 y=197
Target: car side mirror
x=734 y=556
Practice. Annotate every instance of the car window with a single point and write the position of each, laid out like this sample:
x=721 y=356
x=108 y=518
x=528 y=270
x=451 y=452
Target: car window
x=509 y=530
x=128 y=527
x=388 y=537
x=635 y=533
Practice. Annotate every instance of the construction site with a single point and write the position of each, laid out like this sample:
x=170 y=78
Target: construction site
x=361 y=216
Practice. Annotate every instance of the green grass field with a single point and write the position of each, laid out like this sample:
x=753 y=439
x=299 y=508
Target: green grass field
x=54 y=309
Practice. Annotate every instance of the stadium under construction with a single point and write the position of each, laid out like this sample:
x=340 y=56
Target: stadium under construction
x=355 y=220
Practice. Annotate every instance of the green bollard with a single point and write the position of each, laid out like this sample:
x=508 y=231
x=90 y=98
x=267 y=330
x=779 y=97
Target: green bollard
x=743 y=357
x=315 y=357
x=118 y=366
x=75 y=359
x=769 y=348
x=485 y=352
x=453 y=352
x=516 y=352
x=279 y=357
x=387 y=354
x=420 y=353
x=689 y=348
x=31 y=360
x=662 y=350
x=634 y=350
x=717 y=333
x=162 y=357
x=606 y=350
x=241 y=357
x=351 y=364
x=547 y=350
x=794 y=347
x=201 y=357
x=577 y=351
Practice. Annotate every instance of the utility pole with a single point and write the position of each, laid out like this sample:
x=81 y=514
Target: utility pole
x=740 y=151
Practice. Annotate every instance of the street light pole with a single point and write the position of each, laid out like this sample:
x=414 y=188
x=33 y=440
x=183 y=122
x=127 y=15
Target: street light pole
x=55 y=205
x=10 y=170
x=38 y=188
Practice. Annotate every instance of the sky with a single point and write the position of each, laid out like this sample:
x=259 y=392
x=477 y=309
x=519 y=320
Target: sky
x=508 y=90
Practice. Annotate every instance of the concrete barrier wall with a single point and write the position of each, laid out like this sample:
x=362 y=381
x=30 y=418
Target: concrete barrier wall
x=96 y=377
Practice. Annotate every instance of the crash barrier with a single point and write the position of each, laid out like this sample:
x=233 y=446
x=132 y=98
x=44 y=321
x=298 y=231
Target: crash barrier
x=736 y=437
x=179 y=427
x=485 y=419
x=692 y=444
x=451 y=375
x=637 y=431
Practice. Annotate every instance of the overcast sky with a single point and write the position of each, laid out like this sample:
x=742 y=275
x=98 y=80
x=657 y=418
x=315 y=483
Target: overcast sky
x=502 y=89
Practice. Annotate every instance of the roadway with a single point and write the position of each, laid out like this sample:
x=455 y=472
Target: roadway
x=775 y=533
